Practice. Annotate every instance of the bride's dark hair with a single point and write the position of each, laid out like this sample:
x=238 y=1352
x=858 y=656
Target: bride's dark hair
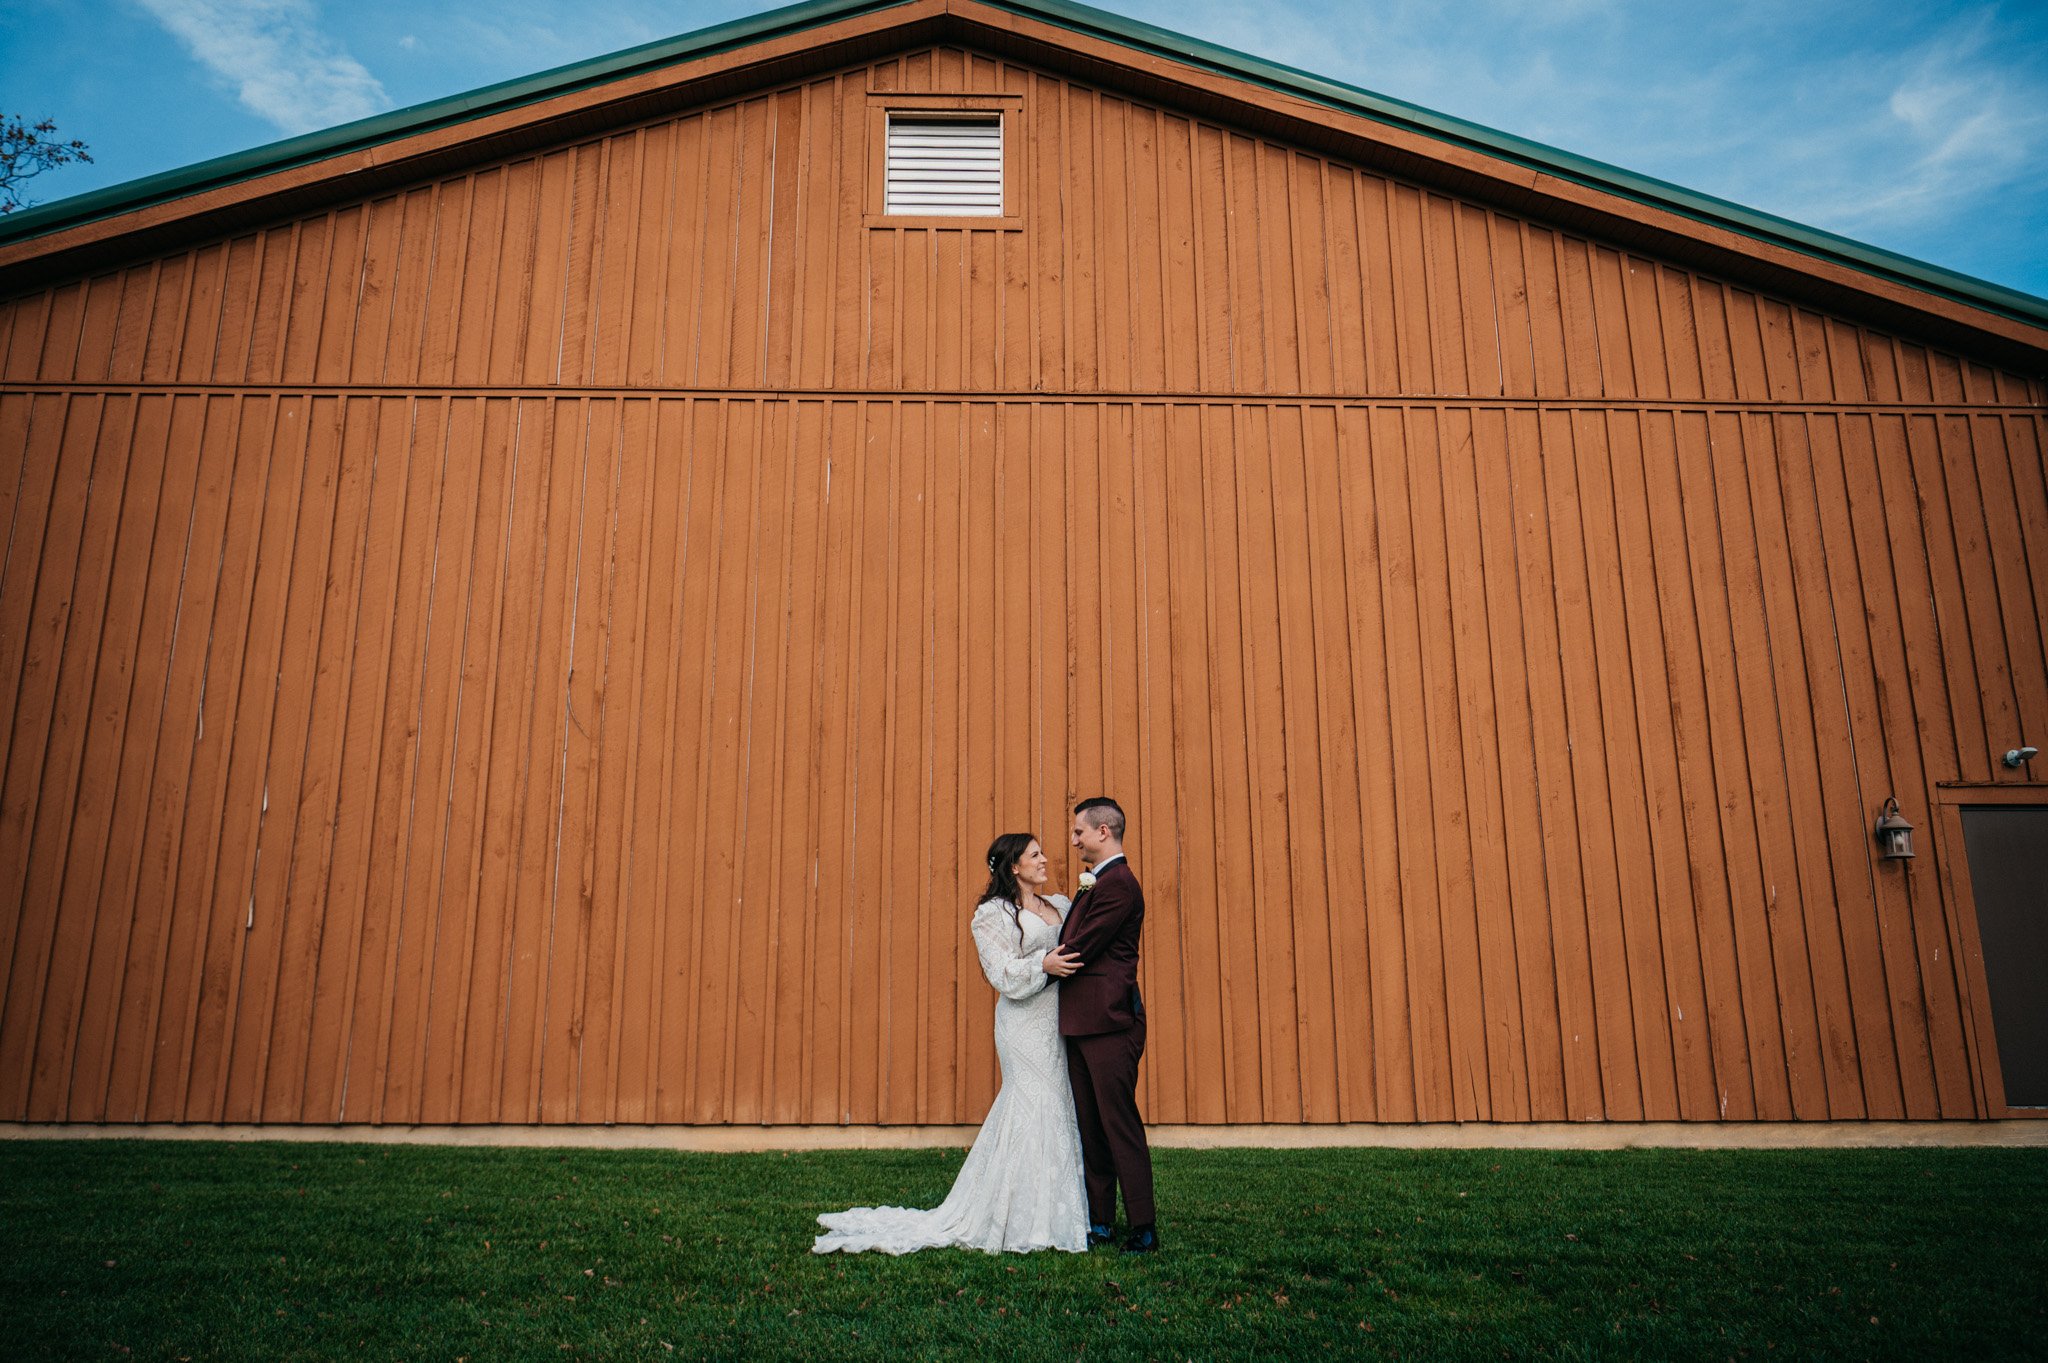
x=1002 y=876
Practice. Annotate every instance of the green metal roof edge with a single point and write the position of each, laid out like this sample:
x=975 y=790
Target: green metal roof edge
x=1126 y=32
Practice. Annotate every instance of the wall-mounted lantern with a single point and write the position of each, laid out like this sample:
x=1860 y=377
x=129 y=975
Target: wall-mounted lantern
x=1894 y=834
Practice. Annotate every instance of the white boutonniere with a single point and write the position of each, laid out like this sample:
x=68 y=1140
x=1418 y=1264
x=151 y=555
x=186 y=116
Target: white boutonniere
x=1087 y=880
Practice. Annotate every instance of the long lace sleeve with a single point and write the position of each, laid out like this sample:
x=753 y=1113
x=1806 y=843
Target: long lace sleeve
x=1015 y=972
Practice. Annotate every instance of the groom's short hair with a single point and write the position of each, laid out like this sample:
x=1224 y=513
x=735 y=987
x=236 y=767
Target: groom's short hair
x=1103 y=812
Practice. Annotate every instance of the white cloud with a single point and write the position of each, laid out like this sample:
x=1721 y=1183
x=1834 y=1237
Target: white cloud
x=274 y=56
x=1965 y=125
x=1880 y=143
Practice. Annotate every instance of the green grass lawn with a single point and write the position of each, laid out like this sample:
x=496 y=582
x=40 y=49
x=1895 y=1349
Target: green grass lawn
x=177 y=1250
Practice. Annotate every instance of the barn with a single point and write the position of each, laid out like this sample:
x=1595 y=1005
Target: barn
x=526 y=610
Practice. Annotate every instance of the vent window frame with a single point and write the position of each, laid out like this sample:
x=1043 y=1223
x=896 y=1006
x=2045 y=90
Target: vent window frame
x=1009 y=108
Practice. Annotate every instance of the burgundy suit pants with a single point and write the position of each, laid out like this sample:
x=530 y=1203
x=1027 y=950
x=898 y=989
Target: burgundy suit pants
x=1103 y=1070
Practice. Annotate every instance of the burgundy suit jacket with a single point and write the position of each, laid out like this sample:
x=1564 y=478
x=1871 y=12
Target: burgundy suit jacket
x=1102 y=929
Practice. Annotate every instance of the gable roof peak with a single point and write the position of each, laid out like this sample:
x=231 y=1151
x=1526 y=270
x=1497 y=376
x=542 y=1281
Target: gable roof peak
x=351 y=147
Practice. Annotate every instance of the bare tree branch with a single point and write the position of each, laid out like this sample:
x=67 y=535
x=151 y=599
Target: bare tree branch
x=27 y=150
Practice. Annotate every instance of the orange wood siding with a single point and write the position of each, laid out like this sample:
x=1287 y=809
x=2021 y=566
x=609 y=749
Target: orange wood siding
x=551 y=644
x=584 y=759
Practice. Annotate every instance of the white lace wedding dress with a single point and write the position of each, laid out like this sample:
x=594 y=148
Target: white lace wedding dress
x=1021 y=1187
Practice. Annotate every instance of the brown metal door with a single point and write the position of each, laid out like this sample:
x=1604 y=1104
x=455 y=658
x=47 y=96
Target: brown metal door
x=2008 y=851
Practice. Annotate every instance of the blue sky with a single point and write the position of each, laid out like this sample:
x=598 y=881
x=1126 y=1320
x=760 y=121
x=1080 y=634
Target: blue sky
x=1913 y=125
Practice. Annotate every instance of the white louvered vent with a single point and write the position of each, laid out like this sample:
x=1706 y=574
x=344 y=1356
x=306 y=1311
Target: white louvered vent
x=945 y=167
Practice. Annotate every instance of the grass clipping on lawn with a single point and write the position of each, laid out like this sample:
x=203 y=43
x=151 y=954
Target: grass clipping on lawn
x=198 y=1250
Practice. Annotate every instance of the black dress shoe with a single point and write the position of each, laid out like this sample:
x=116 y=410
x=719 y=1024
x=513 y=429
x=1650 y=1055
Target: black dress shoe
x=1100 y=1235
x=1143 y=1240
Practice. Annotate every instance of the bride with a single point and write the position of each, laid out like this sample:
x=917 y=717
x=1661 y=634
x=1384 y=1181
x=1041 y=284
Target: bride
x=1021 y=1187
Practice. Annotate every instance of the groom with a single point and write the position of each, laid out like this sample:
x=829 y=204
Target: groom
x=1103 y=1021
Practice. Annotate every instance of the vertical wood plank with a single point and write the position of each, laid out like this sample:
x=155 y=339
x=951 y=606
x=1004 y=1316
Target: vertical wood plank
x=1926 y=752
x=1194 y=755
x=158 y=358
x=1677 y=297
x=1585 y=708
x=1806 y=712
x=2006 y=459
x=1487 y=920
x=53 y=567
x=477 y=557
x=1859 y=571
x=367 y=341
x=274 y=938
x=37 y=432
x=1829 y=655
x=406 y=1056
x=1669 y=979
x=484 y=251
x=1208 y=207
x=792 y=946
x=226 y=764
x=1757 y=578
x=283 y=1067
x=680 y=895
x=1522 y=895
x=305 y=302
x=202 y=319
x=1649 y=356
x=132 y=324
x=66 y=823
x=240 y=302
x=399 y=361
x=544 y=285
x=1347 y=956
x=1641 y=927
x=147 y=587
x=1239 y=985
x=342 y=297
x=1422 y=933
x=348 y=944
x=1565 y=878
x=98 y=329
x=576 y=930
x=387 y=927
x=1308 y=799
x=1512 y=305
x=1546 y=309
x=751 y=1004
x=1443 y=722
x=543 y=716
x=1480 y=327
x=1670 y=442
x=1409 y=275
